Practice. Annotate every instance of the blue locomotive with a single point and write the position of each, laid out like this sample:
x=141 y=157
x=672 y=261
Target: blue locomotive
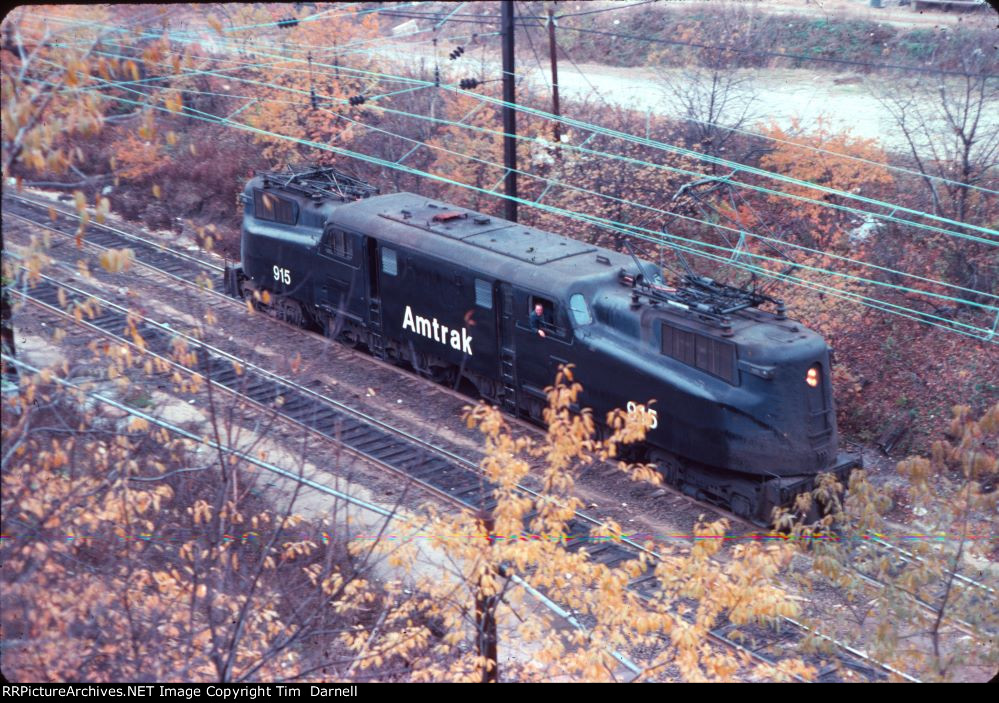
x=743 y=414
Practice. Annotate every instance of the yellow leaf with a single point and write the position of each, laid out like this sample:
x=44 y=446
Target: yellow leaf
x=156 y=190
x=117 y=260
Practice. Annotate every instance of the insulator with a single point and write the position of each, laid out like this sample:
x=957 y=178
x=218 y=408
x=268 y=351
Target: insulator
x=287 y=22
x=468 y=83
x=456 y=53
x=357 y=99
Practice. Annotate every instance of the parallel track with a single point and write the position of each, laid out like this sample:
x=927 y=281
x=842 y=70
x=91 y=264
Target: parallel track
x=433 y=468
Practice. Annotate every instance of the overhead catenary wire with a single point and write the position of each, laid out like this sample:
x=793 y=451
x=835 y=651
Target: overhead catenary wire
x=650 y=235
x=757 y=171
x=750 y=133
x=739 y=231
x=893 y=208
x=834 y=205
x=722 y=228
x=919 y=291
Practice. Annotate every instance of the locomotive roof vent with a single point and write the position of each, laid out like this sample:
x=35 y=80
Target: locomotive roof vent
x=481 y=220
x=432 y=205
x=601 y=259
x=406 y=214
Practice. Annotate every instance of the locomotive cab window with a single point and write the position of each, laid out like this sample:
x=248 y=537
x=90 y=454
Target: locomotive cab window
x=700 y=351
x=337 y=243
x=548 y=318
x=267 y=206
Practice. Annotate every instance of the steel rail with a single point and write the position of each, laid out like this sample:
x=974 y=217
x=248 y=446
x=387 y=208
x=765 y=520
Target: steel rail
x=607 y=553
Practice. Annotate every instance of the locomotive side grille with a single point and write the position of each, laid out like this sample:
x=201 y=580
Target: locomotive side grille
x=700 y=351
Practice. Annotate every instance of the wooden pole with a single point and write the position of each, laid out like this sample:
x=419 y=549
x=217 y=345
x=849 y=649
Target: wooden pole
x=554 y=60
x=509 y=114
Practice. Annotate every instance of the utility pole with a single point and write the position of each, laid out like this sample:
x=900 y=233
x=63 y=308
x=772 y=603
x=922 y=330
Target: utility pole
x=554 y=60
x=509 y=115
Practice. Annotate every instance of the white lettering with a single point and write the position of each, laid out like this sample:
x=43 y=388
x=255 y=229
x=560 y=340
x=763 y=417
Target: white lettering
x=459 y=340
x=282 y=275
x=422 y=326
x=315 y=691
x=650 y=417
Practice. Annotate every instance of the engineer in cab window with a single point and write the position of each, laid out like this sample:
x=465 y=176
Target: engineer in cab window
x=537 y=319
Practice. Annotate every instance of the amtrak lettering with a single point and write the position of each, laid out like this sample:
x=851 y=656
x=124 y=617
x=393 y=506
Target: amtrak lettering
x=460 y=339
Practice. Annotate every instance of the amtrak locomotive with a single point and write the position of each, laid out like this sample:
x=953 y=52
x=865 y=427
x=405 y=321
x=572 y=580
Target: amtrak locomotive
x=743 y=413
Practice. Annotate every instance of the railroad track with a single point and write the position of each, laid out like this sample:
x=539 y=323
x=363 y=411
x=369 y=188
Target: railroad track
x=902 y=558
x=185 y=268
x=435 y=469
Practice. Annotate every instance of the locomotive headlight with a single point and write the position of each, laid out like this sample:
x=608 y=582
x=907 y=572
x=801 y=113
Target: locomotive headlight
x=812 y=377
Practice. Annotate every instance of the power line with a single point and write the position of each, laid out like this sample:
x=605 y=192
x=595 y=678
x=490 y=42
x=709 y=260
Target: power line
x=642 y=206
x=733 y=165
x=722 y=47
x=750 y=133
x=830 y=272
x=723 y=162
x=463 y=184
x=604 y=222
x=874 y=214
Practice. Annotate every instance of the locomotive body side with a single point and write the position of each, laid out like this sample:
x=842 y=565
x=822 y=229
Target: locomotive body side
x=743 y=415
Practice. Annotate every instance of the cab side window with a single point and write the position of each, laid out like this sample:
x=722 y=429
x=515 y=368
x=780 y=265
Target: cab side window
x=549 y=318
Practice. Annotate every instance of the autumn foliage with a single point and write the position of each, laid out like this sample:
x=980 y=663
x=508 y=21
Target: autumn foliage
x=165 y=129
